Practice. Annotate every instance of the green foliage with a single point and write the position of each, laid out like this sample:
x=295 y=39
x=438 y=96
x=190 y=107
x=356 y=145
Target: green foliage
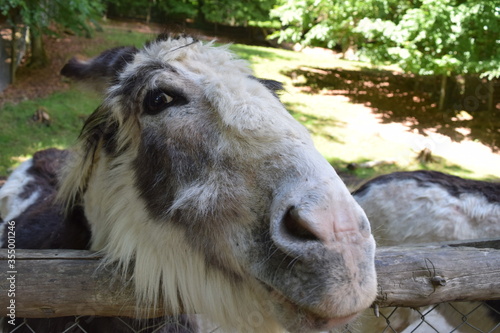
x=177 y=8
x=329 y=23
x=439 y=37
x=156 y=10
x=232 y=12
x=227 y=12
x=423 y=37
x=41 y=14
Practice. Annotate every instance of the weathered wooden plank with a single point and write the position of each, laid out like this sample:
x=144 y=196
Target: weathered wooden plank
x=423 y=275
x=492 y=243
x=54 y=283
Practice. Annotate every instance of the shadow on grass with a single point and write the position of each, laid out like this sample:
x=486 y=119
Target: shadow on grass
x=315 y=124
x=413 y=101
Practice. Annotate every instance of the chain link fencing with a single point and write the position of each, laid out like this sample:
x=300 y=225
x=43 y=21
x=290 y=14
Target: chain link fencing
x=95 y=324
x=456 y=317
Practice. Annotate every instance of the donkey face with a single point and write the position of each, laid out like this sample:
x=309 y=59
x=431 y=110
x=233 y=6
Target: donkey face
x=194 y=176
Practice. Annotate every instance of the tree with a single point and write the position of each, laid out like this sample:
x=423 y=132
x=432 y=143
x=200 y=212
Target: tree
x=445 y=37
x=152 y=10
x=439 y=37
x=227 y=12
x=243 y=13
x=42 y=16
x=330 y=23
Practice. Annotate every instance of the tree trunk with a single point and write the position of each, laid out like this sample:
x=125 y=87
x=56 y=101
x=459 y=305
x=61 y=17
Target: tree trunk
x=442 y=93
x=39 y=56
x=201 y=20
x=491 y=89
x=13 y=60
x=416 y=86
x=151 y=4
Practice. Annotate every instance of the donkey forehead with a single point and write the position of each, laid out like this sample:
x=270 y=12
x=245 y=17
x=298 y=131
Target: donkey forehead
x=212 y=74
x=191 y=60
x=195 y=56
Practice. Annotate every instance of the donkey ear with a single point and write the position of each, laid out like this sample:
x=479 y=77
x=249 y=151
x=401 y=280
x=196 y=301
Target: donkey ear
x=274 y=86
x=102 y=70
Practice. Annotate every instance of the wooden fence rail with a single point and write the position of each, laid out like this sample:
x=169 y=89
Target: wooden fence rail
x=53 y=283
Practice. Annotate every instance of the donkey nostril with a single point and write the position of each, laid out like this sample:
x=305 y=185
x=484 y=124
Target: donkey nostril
x=297 y=227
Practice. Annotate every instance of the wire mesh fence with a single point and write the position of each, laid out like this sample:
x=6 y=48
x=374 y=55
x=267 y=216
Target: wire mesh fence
x=459 y=317
x=95 y=324
x=455 y=317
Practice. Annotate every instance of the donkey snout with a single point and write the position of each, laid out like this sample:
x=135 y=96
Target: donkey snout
x=329 y=221
x=324 y=236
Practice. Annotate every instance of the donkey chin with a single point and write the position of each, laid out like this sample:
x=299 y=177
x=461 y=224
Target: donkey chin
x=326 y=298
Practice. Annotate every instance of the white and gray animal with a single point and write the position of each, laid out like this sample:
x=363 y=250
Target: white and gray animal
x=430 y=206
x=193 y=177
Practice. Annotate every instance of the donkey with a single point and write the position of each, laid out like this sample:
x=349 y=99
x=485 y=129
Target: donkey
x=195 y=180
x=430 y=206
x=24 y=198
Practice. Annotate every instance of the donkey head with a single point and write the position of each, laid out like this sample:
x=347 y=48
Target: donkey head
x=195 y=177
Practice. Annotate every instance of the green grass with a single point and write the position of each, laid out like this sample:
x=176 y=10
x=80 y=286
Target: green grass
x=123 y=37
x=21 y=136
x=341 y=130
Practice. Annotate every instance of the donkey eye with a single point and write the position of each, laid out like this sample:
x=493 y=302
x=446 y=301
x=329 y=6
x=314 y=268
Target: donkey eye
x=156 y=101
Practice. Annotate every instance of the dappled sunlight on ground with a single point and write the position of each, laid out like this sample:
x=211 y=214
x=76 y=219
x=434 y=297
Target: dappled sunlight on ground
x=400 y=98
x=392 y=122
